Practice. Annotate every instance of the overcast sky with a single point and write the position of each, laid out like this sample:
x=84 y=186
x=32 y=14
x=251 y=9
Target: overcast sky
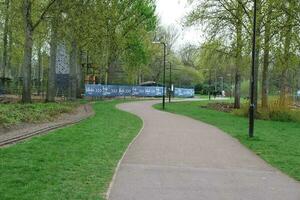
x=171 y=13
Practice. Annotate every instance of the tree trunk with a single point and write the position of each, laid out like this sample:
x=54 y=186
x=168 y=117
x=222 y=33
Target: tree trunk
x=9 y=51
x=257 y=52
x=26 y=94
x=237 y=90
x=73 y=71
x=51 y=89
x=111 y=72
x=39 y=70
x=5 y=42
x=265 y=71
x=283 y=88
x=286 y=60
x=79 y=74
x=106 y=76
x=238 y=61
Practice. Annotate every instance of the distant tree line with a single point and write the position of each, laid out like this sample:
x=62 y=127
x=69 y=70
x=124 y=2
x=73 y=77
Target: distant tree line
x=227 y=49
x=111 y=31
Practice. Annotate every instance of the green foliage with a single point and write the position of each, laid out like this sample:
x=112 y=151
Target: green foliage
x=76 y=162
x=11 y=114
x=245 y=88
x=111 y=31
x=276 y=142
x=188 y=76
x=275 y=112
x=228 y=24
x=135 y=56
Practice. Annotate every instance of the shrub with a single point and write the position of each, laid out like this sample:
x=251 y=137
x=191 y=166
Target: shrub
x=243 y=111
x=275 y=112
x=14 y=113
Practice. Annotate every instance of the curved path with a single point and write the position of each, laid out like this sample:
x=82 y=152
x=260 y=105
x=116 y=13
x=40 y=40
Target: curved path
x=178 y=158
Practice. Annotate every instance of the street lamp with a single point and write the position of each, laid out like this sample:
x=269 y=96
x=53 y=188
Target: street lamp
x=170 y=82
x=164 y=75
x=171 y=86
x=252 y=106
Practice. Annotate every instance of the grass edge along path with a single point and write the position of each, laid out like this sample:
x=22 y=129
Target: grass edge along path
x=76 y=162
x=275 y=142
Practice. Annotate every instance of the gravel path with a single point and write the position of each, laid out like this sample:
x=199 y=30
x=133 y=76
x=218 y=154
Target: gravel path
x=27 y=130
x=178 y=158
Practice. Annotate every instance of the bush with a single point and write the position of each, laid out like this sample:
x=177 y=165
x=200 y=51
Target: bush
x=275 y=112
x=243 y=111
x=14 y=113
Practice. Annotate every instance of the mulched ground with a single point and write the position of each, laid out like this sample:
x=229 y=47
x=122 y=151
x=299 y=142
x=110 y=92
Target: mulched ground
x=10 y=98
x=220 y=106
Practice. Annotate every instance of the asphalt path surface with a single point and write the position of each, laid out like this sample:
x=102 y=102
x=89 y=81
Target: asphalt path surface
x=178 y=158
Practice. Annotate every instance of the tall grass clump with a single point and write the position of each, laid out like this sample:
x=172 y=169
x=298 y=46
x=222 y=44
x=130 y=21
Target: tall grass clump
x=275 y=112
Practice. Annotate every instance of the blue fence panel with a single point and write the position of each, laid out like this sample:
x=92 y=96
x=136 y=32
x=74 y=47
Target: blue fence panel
x=93 y=90
x=150 y=92
x=139 y=91
x=183 y=92
x=153 y=91
x=125 y=90
x=110 y=90
x=146 y=91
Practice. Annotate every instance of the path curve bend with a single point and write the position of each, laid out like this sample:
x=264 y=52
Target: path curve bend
x=178 y=158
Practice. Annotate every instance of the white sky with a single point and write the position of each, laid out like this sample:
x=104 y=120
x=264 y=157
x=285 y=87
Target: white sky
x=171 y=13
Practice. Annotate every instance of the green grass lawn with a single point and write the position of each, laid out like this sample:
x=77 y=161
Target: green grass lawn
x=14 y=113
x=276 y=142
x=76 y=162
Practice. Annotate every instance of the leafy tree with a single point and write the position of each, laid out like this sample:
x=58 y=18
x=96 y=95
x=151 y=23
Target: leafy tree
x=30 y=10
x=224 y=19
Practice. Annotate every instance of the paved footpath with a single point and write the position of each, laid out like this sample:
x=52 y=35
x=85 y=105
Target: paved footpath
x=178 y=158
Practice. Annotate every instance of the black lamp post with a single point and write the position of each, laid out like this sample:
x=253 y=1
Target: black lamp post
x=164 y=75
x=209 y=86
x=170 y=82
x=252 y=106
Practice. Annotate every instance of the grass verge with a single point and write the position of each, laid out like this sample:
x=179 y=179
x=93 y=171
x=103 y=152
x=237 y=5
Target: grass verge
x=14 y=113
x=76 y=162
x=276 y=142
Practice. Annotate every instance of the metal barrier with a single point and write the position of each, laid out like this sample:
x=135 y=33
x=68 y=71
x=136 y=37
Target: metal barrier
x=184 y=92
x=137 y=91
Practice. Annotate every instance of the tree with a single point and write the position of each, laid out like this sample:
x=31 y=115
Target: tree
x=189 y=55
x=224 y=19
x=119 y=43
x=29 y=28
